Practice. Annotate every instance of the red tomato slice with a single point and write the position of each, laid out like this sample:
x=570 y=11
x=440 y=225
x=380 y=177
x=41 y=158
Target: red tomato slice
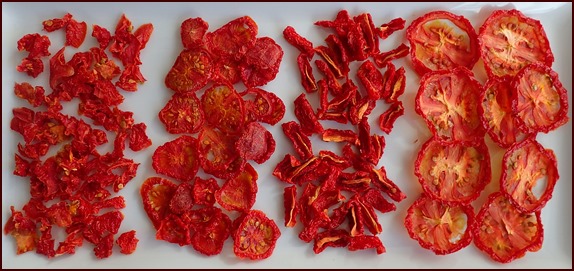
x=504 y=232
x=440 y=227
x=218 y=156
x=178 y=159
x=156 y=195
x=233 y=39
x=238 y=194
x=526 y=166
x=255 y=143
x=441 y=40
x=262 y=105
x=449 y=101
x=255 y=236
x=224 y=109
x=209 y=239
x=190 y=72
x=541 y=101
x=261 y=63
x=192 y=32
x=509 y=41
x=182 y=114
x=453 y=172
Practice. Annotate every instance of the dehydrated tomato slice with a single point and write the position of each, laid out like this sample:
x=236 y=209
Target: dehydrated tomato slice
x=238 y=194
x=541 y=103
x=306 y=116
x=529 y=173
x=75 y=33
x=509 y=41
x=497 y=118
x=449 y=101
x=192 y=32
x=260 y=64
x=453 y=172
x=156 y=195
x=204 y=191
x=290 y=205
x=209 y=239
x=226 y=70
x=255 y=236
x=504 y=232
x=127 y=242
x=37 y=45
x=440 y=227
x=23 y=229
x=218 y=156
x=224 y=109
x=102 y=35
x=262 y=105
x=306 y=72
x=302 y=44
x=234 y=38
x=182 y=199
x=178 y=158
x=441 y=40
x=182 y=114
x=190 y=72
x=174 y=230
x=255 y=143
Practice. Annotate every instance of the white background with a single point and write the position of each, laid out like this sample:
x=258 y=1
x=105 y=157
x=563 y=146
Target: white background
x=402 y=144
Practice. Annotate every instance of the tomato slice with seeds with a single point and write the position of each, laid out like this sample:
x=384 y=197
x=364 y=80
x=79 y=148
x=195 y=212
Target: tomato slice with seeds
x=178 y=159
x=226 y=71
x=182 y=114
x=541 y=101
x=529 y=174
x=441 y=40
x=262 y=105
x=224 y=109
x=497 y=118
x=233 y=39
x=449 y=101
x=440 y=227
x=504 y=232
x=509 y=41
x=453 y=172
x=261 y=63
x=156 y=195
x=218 y=156
x=255 y=236
x=209 y=240
x=238 y=194
x=192 y=32
x=190 y=72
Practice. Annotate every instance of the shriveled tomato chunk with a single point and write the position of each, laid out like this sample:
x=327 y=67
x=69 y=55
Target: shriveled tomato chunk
x=178 y=159
x=529 y=173
x=224 y=109
x=182 y=114
x=209 y=239
x=233 y=39
x=156 y=195
x=190 y=72
x=238 y=194
x=504 y=232
x=509 y=41
x=255 y=236
x=453 y=172
x=440 y=227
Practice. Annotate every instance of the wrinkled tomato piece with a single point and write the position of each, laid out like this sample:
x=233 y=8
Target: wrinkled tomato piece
x=306 y=71
x=178 y=158
x=182 y=114
x=372 y=79
x=56 y=23
x=103 y=249
x=541 y=103
x=23 y=229
x=190 y=72
x=255 y=236
x=127 y=242
x=34 y=95
x=262 y=105
x=449 y=101
x=290 y=205
x=441 y=40
x=453 y=172
x=209 y=239
x=440 y=227
x=75 y=33
x=509 y=41
x=529 y=174
x=32 y=66
x=302 y=44
x=255 y=143
x=365 y=242
x=182 y=199
x=37 y=45
x=238 y=194
x=301 y=142
x=261 y=62
x=224 y=109
x=385 y=30
x=204 y=191
x=102 y=35
x=174 y=230
x=217 y=152
x=156 y=195
x=233 y=39
x=306 y=116
x=192 y=32
x=330 y=238
x=505 y=233
x=388 y=118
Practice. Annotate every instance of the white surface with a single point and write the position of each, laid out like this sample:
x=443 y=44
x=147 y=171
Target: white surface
x=402 y=145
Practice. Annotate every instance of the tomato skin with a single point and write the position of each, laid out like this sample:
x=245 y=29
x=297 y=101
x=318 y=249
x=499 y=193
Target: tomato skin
x=470 y=57
x=498 y=18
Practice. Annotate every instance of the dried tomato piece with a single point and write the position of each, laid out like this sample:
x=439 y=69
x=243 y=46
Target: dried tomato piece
x=255 y=236
x=204 y=191
x=127 y=242
x=388 y=118
x=395 y=87
x=209 y=240
x=37 y=45
x=385 y=30
x=255 y=143
x=306 y=71
x=449 y=101
x=441 y=40
x=306 y=116
x=290 y=205
x=34 y=95
x=372 y=79
x=224 y=109
x=156 y=195
x=383 y=183
x=238 y=194
x=336 y=135
x=233 y=39
x=509 y=41
x=440 y=227
x=75 y=33
x=173 y=229
x=32 y=66
x=225 y=70
x=260 y=64
x=178 y=158
x=192 y=32
x=190 y=72
x=56 y=23
x=385 y=58
x=365 y=242
x=130 y=78
x=339 y=53
x=103 y=249
x=262 y=105
x=23 y=229
x=182 y=114
x=504 y=232
x=302 y=44
x=529 y=174
x=105 y=67
x=182 y=199
x=102 y=35
x=143 y=34
x=301 y=143
x=541 y=102
x=217 y=152
x=365 y=21
x=59 y=69
x=333 y=84
x=330 y=238
x=453 y=172
x=115 y=202
x=138 y=138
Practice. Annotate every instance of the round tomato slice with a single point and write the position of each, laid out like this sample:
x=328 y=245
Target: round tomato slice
x=453 y=172
x=441 y=40
x=238 y=194
x=255 y=236
x=255 y=143
x=262 y=105
x=190 y=72
x=233 y=39
x=261 y=63
x=541 y=101
x=504 y=232
x=440 y=227
x=497 y=118
x=529 y=174
x=449 y=101
x=509 y=41
x=209 y=239
x=182 y=114
x=226 y=71
x=182 y=199
x=156 y=195
x=223 y=108
x=218 y=156
x=192 y=32
x=178 y=159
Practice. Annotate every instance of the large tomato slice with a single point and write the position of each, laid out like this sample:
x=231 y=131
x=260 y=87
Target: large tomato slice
x=440 y=227
x=156 y=195
x=453 y=171
x=449 y=101
x=178 y=159
x=497 y=118
x=541 y=101
x=233 y=39
x=509 y=41
x=218 y=156
x=504 y=232
x=238 y=194
x=527 y=168
x=441 y=40
x=224 y=109
x=255 y=237
x=182 y=114
x=190 y=72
